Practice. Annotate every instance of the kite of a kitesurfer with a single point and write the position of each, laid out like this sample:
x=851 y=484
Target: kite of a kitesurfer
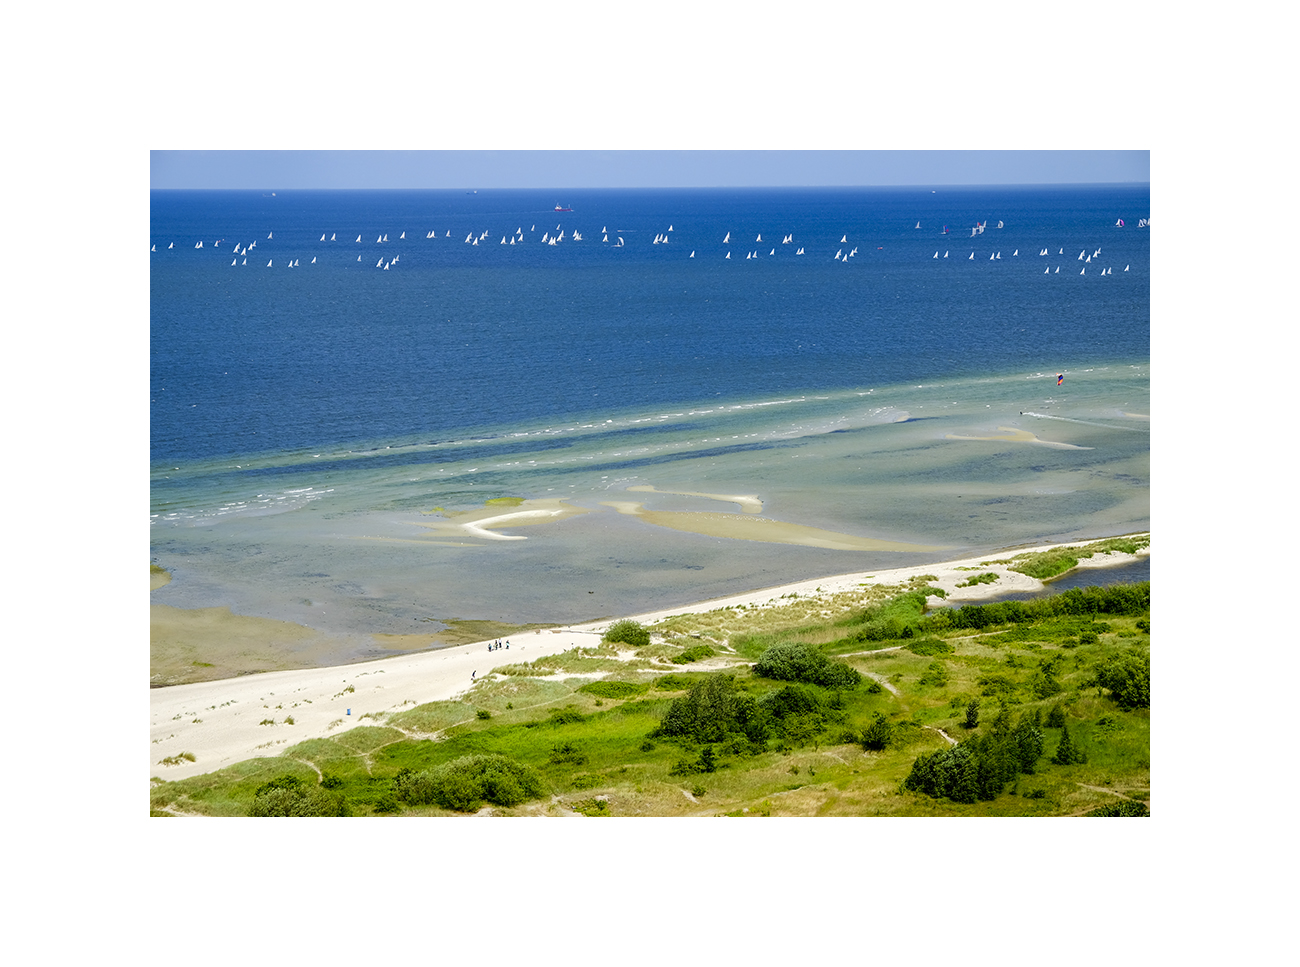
x=1060 y=378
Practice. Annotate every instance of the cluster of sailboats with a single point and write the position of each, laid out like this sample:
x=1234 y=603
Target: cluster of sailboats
x=660 y=238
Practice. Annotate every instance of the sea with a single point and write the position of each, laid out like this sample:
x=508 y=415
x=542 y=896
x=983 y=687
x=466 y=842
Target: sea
x=951 y=370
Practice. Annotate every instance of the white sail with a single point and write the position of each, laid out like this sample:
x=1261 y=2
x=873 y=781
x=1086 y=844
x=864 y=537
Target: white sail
x=936 y=253
x=334 y=236
x=727 y=239
x=843 y=239
x=1126 y=268
x=400 y=237
x=233 y=261
x=322 y=236
x=918 y=224
x=692 y=255
x=313 y=260
x=972 y=255
x=358 y=238
x=268 y=263
x=728 y=255
x=945 y=254
x=269 y=234
x=200 y=245
x=670 y=228
x=171 y=244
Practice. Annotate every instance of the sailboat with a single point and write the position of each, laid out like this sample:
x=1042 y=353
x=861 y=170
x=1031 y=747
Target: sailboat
x=233 y=261
x=972 y=255
x=269 y=234
x=153 y=248
x=313 y=260
x=358 y=238
x=800 y=252
x=268 y=263
x=1045 y=271
x=334 y=236
x=728 y=255
x=200 y=245
x=918 y=224
x=1119 y=223
x=759 y=239
x=1015 y=253
x=1126 y=268
x=999 y=224
x=727 y=239
x=692 y=255
x=670 y=228
x=843 y=239
x=936 y=253
x=945 y=253
x=322 y=236
x=773 y=252
x=400 y=237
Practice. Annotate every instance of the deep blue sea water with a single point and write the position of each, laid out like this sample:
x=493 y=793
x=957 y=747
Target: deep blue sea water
x=304 y=415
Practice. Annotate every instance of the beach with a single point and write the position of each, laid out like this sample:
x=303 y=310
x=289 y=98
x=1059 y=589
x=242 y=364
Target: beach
x=226 y=721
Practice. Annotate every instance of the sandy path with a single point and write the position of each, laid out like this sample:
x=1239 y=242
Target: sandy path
x=230 y=712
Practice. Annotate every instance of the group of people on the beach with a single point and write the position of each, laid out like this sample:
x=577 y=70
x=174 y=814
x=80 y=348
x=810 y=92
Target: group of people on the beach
x=494 y=646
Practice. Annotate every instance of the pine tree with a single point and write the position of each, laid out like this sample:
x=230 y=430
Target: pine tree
x=973 y=713
x=1067 y=753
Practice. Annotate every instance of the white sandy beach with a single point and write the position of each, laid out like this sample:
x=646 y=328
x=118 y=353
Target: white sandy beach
x=219 y=722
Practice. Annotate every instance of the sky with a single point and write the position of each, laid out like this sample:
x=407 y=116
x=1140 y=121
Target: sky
x=636 y=169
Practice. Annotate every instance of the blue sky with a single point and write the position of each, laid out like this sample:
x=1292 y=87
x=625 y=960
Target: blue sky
x=636 y=169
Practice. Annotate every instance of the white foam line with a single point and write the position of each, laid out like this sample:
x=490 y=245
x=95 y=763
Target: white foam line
x=1104 y=426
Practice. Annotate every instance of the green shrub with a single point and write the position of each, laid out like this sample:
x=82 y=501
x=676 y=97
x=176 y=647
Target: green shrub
x=1128 y=678
x=483 y=714
x=692 y=654
x=674 y=683
x=566 y=716
x=628 y=632
x=290 y=796
x=567 y=752
x=803 y=663
x=1124 y=807
x=878 y=734
x=712 y=709
x=929 y=646
x=465 y=783
x=614 y=689
x=936 y=674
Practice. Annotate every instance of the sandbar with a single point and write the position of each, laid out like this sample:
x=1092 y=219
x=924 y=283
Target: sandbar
x=1014 y=435
x=744 y=527
x=749 y=503
x=482 y=523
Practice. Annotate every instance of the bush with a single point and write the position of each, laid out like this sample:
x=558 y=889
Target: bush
x=628 y=632
x=804 y=663
x=1124 y=807
x=692 y=654
x=713 y=709
x=929 y=646
x=290 y=796
x=464 y=783
x=878 y=734
x=1128 y=678
x=483 y=714
x=936 y=674
x=614 y=689
x=566 y=716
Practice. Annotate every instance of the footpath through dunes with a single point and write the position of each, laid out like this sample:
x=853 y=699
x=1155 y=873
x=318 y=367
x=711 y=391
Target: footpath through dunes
x=205 y=726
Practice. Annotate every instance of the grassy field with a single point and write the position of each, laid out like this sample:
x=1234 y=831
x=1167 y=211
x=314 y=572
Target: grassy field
x=603 y=744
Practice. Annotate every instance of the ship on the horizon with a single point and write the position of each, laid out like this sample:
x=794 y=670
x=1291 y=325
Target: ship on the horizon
x=559 y=209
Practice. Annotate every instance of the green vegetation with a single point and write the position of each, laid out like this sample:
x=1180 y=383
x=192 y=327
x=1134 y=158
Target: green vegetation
x=804 y=663
x=1049 y=564
x=855 y=713
x=628 y=632
x=988 y=577
x=693 y=654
